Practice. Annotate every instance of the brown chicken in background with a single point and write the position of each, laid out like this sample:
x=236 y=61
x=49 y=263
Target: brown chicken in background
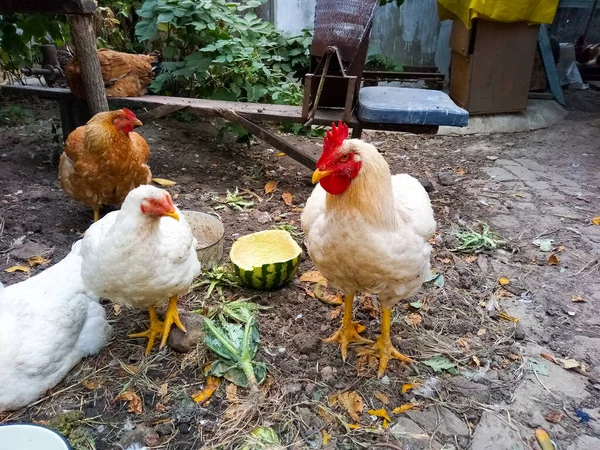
x=124 y=74
x=104 y=160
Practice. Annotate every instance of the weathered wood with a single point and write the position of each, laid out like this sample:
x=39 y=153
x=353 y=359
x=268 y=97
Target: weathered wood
x=84 y=38
x=73 y=113
x=293 y=151
x=158 y=113
x=251 y=111
x=48 y=6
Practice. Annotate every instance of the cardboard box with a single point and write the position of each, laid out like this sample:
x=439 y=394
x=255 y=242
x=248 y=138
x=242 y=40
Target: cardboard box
x=492 y=65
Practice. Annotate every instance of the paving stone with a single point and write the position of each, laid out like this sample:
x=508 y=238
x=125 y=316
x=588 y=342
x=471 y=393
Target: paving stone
x=585 y=443
x=538 y=185
x=505 y=221
x=506 y=162
x=468 y=389
x=522 y=173
x=412 y=436
x=493 y=433
x=531 y=165
x=443 y=420
x=499 y=174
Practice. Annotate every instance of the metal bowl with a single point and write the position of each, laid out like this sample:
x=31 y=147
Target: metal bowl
x=27 y=436
x=209 y=232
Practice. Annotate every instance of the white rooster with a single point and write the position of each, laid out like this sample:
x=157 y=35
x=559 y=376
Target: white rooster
x=48 y=323
x=367 y=230
x=142 y=255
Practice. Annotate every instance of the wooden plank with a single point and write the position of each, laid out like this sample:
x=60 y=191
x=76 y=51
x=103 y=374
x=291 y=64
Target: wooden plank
x=550 y=65
x=84 y=38
x=541 y=96
x=384 y=75
x=159 y=113
x=251 y=111
x=48 y=6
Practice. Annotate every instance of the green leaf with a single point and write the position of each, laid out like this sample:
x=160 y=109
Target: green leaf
x=165 y=17
x=440 y=363
x=145 y=30
x=416 y=305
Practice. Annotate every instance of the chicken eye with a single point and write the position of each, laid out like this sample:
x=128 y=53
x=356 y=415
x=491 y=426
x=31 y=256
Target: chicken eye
x=344 y=158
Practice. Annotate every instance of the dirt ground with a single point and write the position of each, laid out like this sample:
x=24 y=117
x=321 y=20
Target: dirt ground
x=538 y=185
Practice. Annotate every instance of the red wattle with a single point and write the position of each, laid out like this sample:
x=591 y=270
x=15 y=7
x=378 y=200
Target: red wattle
x=335 y=184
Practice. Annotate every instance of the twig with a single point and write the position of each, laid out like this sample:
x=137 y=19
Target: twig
x=593 y=261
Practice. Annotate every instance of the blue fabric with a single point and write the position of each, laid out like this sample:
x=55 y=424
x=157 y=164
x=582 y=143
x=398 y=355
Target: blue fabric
x=386 y=104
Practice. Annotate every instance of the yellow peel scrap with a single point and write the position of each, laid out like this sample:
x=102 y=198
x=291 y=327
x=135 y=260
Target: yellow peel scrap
x=403 y=408
x=212 y=383
x=544 y=439
x=408 y=386
x=380 y=413
x=503 y=281
x=163 y=182
x=18 y=269
x=326 y=437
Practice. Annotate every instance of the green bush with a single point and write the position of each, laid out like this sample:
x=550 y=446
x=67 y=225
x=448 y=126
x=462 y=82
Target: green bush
x=219 y=50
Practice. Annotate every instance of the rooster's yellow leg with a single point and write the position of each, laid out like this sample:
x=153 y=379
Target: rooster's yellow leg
x=349 y=331
x=96 y=210
x=383 y=348
x=154 y=330
x=171 y=317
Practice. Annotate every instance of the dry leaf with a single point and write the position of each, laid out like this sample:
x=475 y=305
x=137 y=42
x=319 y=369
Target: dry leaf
x=326 y=437
x=163 y=182
x=116 y=309
x=596 y=220
x=279 y=154
x=287 y=198
x=313 y=276
x=353 y=403
x=403 y=408
x=459 y=171
x=464 y=344
x=328 y=299
x=481 y=332
x=212 y=383
x=476 y=361
x=271 y=186
x=470 y=258
x=37 y=261
x=353 y=426
x=554 y=416
x=578 y=299
x=231 y=393
x=382 y=398
x=445 y=260
x=507 y=317
x=366 y=365
x=162 y=391
x=135 y=402
x=380 y=413
x=161 y=407
x=407 y=387
x=503 y=281
x=413 y=319
x=370 y=308
x=18 y=269
x=553 y=260
x=335 y=313
x=91 y=385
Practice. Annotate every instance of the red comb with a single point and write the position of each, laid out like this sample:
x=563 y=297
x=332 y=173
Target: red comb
x=129 y=113
x=334 y=138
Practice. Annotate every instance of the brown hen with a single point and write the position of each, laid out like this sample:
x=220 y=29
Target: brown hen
x=124 y=74
x=104 y=160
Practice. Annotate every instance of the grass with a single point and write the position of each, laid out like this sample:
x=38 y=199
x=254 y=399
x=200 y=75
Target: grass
x=11 y=116
x=235 y=200
x=472 y=242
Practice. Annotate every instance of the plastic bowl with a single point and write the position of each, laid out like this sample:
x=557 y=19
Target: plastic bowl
x=31 y=437
x=209 y=232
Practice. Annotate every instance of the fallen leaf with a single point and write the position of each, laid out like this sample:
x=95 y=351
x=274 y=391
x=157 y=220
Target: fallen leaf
x=413 y=319
x=547 y=356
x=279 y=154
x=544 y=440
x=553 y=260
x=271 y=186
x=313 y=276
x=380 y=413
x=37 y=261
x=287 y=198
x=507 y=317
x=481 y=332
x=328 y=299
x=212 y=383
x=476 y=361
x=135 y=402
x=416 y=305
x=353 y=426
x=403 y=408
x=116 y=309
x=335 y=313
x=162 y=391
x=163 y=182
x=353 y=403
x=91 y=385
x=596 y=220
x=439 y=363
x=409 y=386
x=545 y=245
x=370 y=308
x=231 y=393
x=578 y=299
x=470 y=258
x=445 y=260
x=161 y=407
x=18 y=269
x=326 y=437
x=366 y=365
x=459 y=171
x=503 y=281
x=381 y=397
x=464 y=344
x=554 y=416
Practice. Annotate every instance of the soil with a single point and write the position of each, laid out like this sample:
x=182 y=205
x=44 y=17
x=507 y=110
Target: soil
x=537 y=185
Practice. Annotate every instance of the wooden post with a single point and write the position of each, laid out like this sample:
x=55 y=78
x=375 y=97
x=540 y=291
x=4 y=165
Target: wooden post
x=84 y=39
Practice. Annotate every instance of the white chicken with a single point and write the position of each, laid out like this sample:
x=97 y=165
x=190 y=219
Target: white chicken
x=48 y=323
x=368 y=231
x=142 y=255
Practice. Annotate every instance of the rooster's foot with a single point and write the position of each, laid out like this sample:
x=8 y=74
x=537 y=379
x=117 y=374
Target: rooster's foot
x=347 y=334
x=171 y=317
x=384 y=350
x=154 y=331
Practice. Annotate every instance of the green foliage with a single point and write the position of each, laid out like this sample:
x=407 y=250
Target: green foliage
x=20 y=38
x=15 y=115
x=384 y=63
x=300 y=130
x=473 y=242
x=115 y=25
x=219 y=50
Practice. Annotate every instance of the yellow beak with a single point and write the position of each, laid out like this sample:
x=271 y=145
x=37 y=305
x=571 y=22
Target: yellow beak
x=137 y=123
x=172 y=214
x=318 y=174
